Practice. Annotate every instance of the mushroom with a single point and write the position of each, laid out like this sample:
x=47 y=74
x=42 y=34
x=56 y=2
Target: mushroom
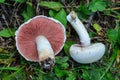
x=84 y=52
x=40 y=39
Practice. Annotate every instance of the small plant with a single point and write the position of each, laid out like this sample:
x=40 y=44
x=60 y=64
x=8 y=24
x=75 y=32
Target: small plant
x=20 y=1
x=97 y=5
x=29 y=12
x=7 y=33
x=61 y=69
x=56 y=11
x=2 y=1
x=51 y=5
x=83 y=12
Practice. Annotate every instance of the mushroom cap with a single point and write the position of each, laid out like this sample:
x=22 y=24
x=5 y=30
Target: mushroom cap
x=26 y=34
x=87 y=54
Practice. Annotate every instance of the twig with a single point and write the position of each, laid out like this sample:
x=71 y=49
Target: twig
x=37 y=8
x=116 y=8
x=14 y=14
x=3 y=16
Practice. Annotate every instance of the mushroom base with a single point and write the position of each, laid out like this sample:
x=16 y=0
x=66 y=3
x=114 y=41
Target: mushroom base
x=47 y=63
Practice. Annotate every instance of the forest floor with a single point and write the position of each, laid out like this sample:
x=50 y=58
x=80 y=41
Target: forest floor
x=101 y=19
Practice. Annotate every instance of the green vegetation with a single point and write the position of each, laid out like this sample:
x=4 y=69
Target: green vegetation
x=101 y=18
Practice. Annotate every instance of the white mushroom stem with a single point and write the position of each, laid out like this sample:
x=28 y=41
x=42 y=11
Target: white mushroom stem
x=84 y=52
x=79 y=28
x=44 y=49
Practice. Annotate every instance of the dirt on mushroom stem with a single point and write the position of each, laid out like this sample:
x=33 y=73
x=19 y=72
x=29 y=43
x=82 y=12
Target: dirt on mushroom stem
x=47 y=63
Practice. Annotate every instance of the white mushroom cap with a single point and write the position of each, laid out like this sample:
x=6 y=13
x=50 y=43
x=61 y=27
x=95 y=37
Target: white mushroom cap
x=87 y=54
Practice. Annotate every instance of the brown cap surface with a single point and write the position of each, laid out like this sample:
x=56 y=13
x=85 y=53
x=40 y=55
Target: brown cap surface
x=52 y=29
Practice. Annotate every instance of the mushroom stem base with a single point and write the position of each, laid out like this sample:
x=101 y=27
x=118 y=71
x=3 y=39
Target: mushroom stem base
x=45 y=52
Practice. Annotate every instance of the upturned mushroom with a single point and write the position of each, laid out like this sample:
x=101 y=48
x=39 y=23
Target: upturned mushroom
x=84 y=52
x=40 y=39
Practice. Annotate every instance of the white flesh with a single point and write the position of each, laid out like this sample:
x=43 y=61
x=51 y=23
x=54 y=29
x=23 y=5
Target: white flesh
x=79 y=28
x=44 y=48
x=84 y=52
